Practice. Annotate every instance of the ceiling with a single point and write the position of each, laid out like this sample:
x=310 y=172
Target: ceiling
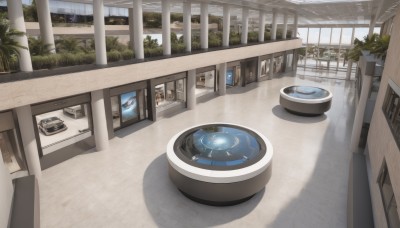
x=329 y=12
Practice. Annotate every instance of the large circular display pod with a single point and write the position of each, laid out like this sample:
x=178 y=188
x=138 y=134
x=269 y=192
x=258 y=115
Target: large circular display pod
x=219 y=164
x=305 y=100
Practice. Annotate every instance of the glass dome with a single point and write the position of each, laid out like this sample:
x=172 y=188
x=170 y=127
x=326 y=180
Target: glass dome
x=306 y=92
x=219 y=146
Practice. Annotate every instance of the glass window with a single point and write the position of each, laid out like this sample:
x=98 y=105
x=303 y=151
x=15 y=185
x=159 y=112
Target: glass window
x=10 y=151
x=391 y=109
x=313 y=36
x=129 y=107
x=335 y=36
x=389 y=200
x=160 y=94
x=303 y=34
x=289 y=61
x=170 y=93
x=360 y=33
x=346 y=35
x=325 y=36
x=115 y=112
x=278 y=63
x=63 y=127
x=205 y=83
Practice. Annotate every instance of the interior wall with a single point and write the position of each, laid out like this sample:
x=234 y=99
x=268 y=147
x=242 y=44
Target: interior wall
x=381 y=142
x=6 y=194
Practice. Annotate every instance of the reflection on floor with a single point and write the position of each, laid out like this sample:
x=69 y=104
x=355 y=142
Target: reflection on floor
x=128 y=184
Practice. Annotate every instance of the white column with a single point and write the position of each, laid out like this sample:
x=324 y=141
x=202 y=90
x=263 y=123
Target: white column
x=191 y=89
x=359 y=117
x=352 y=36
x=16 y=16
x=222 y=79
x=46 y=29
x=319 y=40
x=261 y=26
x=131 y=29
x=187 y=25
x=330 y=39
x=25 y=122
x=371 y=26
x=340 y=47
x=305 y=58
x=166 y=27
x=349 y=69
x=204 y=25
x=99 y=32
x=227 y=25
x=285 y=21
x=258 y=68
x=99 y=120
x=245 y=25
x=295 y=26
x=271 y=67
x=274 y=24
x=138 y=29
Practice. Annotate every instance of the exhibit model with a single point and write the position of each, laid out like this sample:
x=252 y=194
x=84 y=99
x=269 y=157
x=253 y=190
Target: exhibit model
x=219 y=164
x=305 y=100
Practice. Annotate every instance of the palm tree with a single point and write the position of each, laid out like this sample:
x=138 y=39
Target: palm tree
x=380 y=47
x=68 y=45
x=9 y=47
x=38 y=47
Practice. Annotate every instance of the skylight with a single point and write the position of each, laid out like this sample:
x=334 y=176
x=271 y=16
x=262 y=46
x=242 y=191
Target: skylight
x=304 y=2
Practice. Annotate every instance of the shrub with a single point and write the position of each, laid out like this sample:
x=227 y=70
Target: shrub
x=267 y=36
x=152 y=52
x=252 y=37
x=127 y=54
x=234 y=38
x=114 y=56
x=215 y=39
x=196 y=45
x=178 y=48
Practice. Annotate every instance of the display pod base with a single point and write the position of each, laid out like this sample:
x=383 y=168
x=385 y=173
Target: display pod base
x=220 y=194
x=305 y=109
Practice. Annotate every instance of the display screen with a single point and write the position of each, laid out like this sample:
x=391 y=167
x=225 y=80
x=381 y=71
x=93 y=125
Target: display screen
x=220 y=145
x=129 y=106
x=229 y=77
x=306 y=92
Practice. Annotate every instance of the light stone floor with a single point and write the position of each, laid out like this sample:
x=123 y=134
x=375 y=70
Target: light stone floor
x=128 y=185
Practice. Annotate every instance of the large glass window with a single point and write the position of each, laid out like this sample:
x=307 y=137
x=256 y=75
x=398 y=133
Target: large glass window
x=205 y=83
x=388 y=198
x=391 y=108
x=278 y=64
x=233 y=76
x=10 y=151
x=170 y=93
x=265 y=68
x=63 y=127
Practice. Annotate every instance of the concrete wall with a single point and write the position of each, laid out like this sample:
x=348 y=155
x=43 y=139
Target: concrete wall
x=381 y=143
x=6 y=194
x=26 y=92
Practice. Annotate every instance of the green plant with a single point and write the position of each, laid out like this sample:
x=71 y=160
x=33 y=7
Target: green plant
x=68 y=45
x=367 y=44
x=9 y=47
x=127 y=54
x=30 y=12
x=214 y=39
x=113 y=56
x=380 y=47
x=38 y=47
x=234 y=38
x=153 y=52
x=252 y=37
x=178 y=48
x=150 y=43
x=112 y=44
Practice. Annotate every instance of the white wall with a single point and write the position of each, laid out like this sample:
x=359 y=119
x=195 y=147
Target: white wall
x=20 y=93
x=6 y=194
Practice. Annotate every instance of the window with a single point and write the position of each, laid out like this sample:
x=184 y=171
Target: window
x=391 y=109
x=388 y=199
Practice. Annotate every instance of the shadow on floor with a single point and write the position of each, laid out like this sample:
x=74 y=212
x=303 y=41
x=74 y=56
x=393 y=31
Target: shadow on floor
x=169 y=208
x=282 y=113
x=133 y=128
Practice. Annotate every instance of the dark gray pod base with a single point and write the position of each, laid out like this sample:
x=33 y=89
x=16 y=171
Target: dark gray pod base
x=305 y=109
x=220 y=194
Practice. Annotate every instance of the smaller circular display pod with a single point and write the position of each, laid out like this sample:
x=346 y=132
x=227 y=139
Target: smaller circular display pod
x=305 y=100
x=219 y=164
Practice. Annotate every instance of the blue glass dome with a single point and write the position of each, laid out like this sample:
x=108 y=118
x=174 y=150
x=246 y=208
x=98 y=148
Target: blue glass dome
x=219 y=146
x=306 y=92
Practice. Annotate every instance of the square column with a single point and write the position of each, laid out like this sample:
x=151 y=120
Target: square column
x=227 y=25
x=204 y=25
x=99 y=120
x=99 y=32
x=274 y=24
x=46 y=29
x=138 y=29
x=222 y=79
x=285 y=21
x=191 y=89
x=271 y=67
x=166 y=27
x=245 y=25
x=17 y=22
x=261 y=26
x=187 y=25
x=29 y=143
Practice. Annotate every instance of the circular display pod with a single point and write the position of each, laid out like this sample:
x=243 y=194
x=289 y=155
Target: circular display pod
x=305 y=100
x=219 y=164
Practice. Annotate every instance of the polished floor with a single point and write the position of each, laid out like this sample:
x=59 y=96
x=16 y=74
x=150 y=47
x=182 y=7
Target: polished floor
x=128 y=185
